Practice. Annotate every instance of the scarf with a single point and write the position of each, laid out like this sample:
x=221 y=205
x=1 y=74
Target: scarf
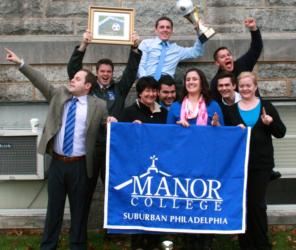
x=200 y=111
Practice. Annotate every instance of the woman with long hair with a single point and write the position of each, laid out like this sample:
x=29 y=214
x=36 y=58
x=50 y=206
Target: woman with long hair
x=196 y=105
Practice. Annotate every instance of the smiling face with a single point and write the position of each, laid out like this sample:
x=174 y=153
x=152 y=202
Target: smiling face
x=226 y=88
x=193 y=83
x=148 y=96
x=167 y=94
x=77 y=86
x=104 y=74
x=164 y=30
x=247 y=88
x=224 y=60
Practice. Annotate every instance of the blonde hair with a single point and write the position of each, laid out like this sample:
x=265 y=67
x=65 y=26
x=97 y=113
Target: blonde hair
x=249 y=74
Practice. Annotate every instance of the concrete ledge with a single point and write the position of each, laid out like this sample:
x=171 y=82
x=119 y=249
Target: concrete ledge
x=281 y=214
x=57 y=49
x=34 y=218
x=27 y=218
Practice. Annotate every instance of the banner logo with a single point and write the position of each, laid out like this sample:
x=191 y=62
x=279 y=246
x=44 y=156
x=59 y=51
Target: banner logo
x=160 y=189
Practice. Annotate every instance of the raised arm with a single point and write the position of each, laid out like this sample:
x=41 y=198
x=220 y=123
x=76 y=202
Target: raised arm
x=75 y=62
x=249 y=59
x=36 y=78
x=130 y=73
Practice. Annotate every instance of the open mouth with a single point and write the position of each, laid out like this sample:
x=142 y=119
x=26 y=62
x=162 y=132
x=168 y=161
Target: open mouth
x=228 y=64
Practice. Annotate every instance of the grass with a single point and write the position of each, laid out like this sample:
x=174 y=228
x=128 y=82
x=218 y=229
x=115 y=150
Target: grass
x=283 y=238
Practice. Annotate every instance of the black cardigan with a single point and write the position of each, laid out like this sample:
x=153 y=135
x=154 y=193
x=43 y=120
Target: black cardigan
x=261 y=148
x=139 y=111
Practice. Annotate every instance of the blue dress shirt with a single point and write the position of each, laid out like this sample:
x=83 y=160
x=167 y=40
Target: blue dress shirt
x=151 y=50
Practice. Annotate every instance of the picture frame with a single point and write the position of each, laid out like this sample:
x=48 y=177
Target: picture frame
x=111 y=25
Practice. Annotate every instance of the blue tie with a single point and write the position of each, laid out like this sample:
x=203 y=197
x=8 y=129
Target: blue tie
x=69 y=128
x=159 y=67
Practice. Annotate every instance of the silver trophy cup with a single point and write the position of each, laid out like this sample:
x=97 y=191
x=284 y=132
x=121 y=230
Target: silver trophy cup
x=186 y=8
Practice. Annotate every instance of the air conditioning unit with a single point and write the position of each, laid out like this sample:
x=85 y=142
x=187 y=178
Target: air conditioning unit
x=19 y=159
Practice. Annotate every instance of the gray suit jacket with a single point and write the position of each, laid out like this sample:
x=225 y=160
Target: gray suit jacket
x=96 y=115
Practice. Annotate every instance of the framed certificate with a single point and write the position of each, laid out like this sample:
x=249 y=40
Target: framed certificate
x=111 y=25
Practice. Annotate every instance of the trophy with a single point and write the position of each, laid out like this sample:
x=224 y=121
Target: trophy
x=186 y=8
x=167 y=245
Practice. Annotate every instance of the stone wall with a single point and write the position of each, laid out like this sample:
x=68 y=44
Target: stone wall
x=44 y=33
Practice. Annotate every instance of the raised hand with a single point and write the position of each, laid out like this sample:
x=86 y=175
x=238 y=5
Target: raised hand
x=265 y=118
x=87 y=36
x=86 y=39
x=250 y=23
x=135 y=39
x=12 y=57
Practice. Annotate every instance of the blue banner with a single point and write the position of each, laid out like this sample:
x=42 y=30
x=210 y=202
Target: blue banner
x=166 y=178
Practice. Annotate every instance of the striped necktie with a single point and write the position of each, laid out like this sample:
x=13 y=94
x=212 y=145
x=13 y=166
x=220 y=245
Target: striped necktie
x=69 y=128
x=159 y=67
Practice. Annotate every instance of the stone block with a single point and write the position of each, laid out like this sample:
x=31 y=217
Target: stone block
x=236 y=3
x=293 y=88
x=81 y=25
x=67 y=9
x=56 y=73
x=226 y=16
x=21 y=9
x=278 y=70
x=276 y=20
x=16 y=92
x=228 y=29
x=273 y=88
x=37 y=27
x=281 y=2
x=11 y=74
x=279 y=47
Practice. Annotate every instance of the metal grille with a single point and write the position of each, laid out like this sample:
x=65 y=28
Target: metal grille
x=18 y=155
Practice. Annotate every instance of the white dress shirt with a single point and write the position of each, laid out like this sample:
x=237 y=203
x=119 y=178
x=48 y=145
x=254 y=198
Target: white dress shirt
x=79 y=148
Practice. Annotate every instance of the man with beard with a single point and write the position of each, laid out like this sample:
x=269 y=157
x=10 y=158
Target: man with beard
x=167 y=91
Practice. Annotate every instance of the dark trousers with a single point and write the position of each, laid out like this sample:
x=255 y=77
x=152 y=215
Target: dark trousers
x=256 y=236
x=67 y=179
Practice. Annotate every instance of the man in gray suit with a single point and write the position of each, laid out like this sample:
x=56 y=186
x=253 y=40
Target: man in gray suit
x=70 y=134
